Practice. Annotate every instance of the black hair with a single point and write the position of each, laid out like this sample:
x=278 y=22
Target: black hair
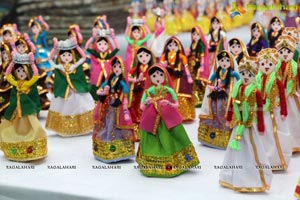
x=154 y=69
x=232 y=41
x=177 y=54
x=7 y=31
x=141 y=49
x=64 y=51
x=134 y=28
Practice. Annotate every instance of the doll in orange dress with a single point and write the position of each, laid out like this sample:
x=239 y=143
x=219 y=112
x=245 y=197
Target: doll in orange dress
x=177 y=65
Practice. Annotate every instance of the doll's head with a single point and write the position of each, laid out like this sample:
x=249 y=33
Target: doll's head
x=5 y=52
x=117 y=67
x=268 y=59
x=8 y=31
x=235 y=46
x=66 y=56
x=276 y=24
x=21 y=72
x=144 y=56
x=157 y=76
x=195 y=34
x=35 y=28
x=285 y=46
x=136 y=32
x=248 y=70
x=293 y=32
x=256 y=30
x=7 y=35
x=103 y=44
x=215 y=24
x=21 y=45
x=224 y=60
x=172 y=45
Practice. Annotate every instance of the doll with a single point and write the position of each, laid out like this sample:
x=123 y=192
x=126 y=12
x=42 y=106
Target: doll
x=22 y=137
x=101 y=51
x=297 y=190
x=258 y=39
x=8 y=32
x=143 y=60
x=187 y=20
x=295 y=34
x=198 y=62
x=177 y=65
x=172 y=23
x=217 y=39
x=275 y=29
x=238 y=49
x=149 y=14
x=113 y=131
x=212 y=129
x=165 y=149
x=157 y=41
x=137 y=34
x=21 y=47
x=277 y=140
x=5 y=86
x=202 y=20
x=288 y=72
x=38 y=36
x=74 y=31
x=71 y=109
x=245 y=149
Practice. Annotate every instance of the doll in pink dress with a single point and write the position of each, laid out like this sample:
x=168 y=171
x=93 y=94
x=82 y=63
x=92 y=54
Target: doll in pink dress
x=113 y=131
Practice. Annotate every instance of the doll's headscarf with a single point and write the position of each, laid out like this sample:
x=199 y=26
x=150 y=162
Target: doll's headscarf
x=275 y=19
x=120 y=60
x=168 y=80
x=286 y=41
x=175 y=39
x=293 y=32
x=241 y=43
x=205 y=73
x=35 y=21
x=227 y=54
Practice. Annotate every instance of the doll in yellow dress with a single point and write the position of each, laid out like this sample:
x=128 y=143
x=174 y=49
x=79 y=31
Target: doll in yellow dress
x=22 y=138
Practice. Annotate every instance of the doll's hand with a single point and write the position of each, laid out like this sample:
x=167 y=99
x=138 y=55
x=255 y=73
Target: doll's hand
x=144 y=19
x=74 y=40
x=148 y=101
x=164 y=102
x=187 y=51
x=283 y=118
x=141 y=76
x=41 y=18
x=189 y=79
x=55 y=43
x=26 y=36
x=128 y=20
x=94 y=32
x=126 y=115
x=211 y=87
x=165 y=64
x=220 y=85
x=228 y=123
x=112 y=33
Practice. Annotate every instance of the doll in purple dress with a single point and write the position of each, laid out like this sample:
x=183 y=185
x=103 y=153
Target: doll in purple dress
x=258 y=39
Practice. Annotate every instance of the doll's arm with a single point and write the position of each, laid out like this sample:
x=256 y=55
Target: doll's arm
x=127 y=26
x=260 y=113
x=33 y=66
x=29 y=42
x=102 y=91
x=113 y=36
x=44 y=23
x=12 y=46
x=283 y=104
x=54 y=49
x=145 y=101
x=125 y=108
x=92 y=39
x=9 y=68
x=166 y=102
x=229 y=113
x=81 y=60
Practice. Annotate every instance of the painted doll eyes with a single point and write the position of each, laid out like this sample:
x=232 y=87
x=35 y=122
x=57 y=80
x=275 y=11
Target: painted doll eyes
x=270 y=64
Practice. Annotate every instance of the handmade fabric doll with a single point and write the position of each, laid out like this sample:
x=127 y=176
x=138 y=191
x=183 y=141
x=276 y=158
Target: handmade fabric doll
x=202 y=20
x=275 y=29
x=144 y=59
x=217 y=39
x=238 y=49
x=297 y=190
x=21 y=47
x=137 y=34
x=258 y=39
x=277 y=140
x=247 y=166
x=5 y=86
x=177 y=65
x=149 y=14
x=38 y=36
x=165 y=149
x=157 y=41
x=212 y=129
x=71 y=109
x=101 y=51
x=187 y=20
x=198 y=59
x=113 y=131
x=288 y=71
x=22 y=137
x=172 y=22
x=8 y=32
x=295 y=34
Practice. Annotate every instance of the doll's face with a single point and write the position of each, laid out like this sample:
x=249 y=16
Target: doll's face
x=21 y=74
x=215 y=25
x=173 y=46
x=195 y=36
x=266 y=66
x=66 y=57
x=275 y=26
x=247 y=77
x=224 y=62
x=7 y=36
x=117 y=69
x=35 y=30
x=255 y=33
x=144 y=57
x=21 y=48
x=136 y=34
x=102 y=45
x=5 y=57
x=236 y=49
x=285 y=54
x=157 y=78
